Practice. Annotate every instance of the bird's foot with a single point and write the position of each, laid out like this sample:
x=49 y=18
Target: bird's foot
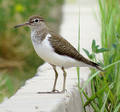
x=55 y=91
x=51 y=92
x=64 y=90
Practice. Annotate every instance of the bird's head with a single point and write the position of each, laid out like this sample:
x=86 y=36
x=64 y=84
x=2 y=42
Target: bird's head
x=33 y=22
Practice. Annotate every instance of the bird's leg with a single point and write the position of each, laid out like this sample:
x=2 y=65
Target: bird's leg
x=56 y=76
x=64 y=74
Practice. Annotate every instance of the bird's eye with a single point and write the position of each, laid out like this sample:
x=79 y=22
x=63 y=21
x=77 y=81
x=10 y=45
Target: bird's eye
x=36 y=20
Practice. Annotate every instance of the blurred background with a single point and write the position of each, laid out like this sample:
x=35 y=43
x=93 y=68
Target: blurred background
x=18 y=60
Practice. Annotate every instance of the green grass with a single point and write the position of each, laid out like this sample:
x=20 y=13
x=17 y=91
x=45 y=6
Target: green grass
x=18 y=60
x=78 y=69
x=105 y=87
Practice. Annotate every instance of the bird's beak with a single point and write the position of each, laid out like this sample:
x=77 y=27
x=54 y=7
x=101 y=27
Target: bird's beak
x=24 y=24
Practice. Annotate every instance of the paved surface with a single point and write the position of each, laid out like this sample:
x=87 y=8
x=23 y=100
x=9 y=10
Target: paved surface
x=27 y=99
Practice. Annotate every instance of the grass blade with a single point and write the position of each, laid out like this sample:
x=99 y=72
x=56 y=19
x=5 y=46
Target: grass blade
x=103 y=107
x=98 y=73
x=90 y=79
x=95 y=95
x=117 y=108
x=78 y=69
x=91 y=102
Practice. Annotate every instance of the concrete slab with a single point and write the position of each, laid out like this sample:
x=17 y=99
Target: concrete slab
x=27 y=99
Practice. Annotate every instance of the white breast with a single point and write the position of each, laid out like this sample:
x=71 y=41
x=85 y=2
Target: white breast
x=46 y=52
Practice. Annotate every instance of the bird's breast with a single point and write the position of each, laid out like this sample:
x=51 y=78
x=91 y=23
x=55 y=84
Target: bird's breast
x=45 y=50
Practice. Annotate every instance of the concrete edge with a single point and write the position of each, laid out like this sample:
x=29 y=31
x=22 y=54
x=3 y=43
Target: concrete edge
x=26 y=98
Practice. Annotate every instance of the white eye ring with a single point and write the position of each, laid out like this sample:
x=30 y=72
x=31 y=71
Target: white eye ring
x=36 y=20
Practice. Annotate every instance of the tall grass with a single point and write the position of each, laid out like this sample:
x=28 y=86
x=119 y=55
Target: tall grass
x=106 y=86
x=78 y=69
x=110 y=38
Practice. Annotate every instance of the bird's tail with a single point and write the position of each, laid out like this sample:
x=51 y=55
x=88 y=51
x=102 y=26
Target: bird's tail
x=97 y=66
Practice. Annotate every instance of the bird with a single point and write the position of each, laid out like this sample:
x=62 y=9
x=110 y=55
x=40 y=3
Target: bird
x=54 y=49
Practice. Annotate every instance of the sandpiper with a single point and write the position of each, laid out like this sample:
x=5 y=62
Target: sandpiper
x=54 y=49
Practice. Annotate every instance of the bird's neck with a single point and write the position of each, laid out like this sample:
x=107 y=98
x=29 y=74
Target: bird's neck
x=38 y=27
x=37 y=33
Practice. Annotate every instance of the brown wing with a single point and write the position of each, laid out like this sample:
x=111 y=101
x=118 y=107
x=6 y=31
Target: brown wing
x=63 y=47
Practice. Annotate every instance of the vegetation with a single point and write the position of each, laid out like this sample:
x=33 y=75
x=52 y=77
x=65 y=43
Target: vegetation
x=106 y=86
x=18 y=60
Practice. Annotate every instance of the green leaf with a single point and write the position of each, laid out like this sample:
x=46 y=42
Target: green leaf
x=94 y=49
x=95 y=95
x=117 y=35
x=91 y=56
x=93 y=42
x=86 y=51
x=111 y=58
x=91 y=102
x=97 y=46
x=102 y=50
x=114 y=46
